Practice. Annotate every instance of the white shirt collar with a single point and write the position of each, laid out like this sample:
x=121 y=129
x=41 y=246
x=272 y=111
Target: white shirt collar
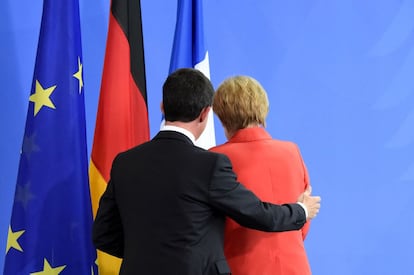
x=180 y=130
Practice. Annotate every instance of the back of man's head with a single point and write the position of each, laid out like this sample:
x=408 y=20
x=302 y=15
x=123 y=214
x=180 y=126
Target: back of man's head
x=185 y=93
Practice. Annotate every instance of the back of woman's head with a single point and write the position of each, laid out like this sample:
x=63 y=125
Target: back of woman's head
x=185 y=93
x=240 y=102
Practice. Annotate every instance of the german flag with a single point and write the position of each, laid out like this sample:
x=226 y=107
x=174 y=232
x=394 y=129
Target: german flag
x=122 y=118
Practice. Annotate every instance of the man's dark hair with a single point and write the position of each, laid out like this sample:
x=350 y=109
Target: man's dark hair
x=185 y=93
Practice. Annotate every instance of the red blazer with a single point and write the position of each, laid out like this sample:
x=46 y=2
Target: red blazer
x=275 y=172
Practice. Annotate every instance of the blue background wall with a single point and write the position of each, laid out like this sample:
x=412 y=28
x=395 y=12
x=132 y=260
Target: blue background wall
x=339 y=75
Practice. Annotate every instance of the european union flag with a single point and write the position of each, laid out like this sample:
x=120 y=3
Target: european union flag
x=50 y=228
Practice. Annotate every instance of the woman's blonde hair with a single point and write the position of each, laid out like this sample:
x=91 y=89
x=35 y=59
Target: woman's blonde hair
x=241 y=101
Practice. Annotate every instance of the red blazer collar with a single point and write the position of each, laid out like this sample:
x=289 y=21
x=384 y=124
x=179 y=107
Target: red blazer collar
x=250 y=134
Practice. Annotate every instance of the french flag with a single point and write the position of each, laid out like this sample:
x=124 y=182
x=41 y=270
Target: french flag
x=189 y=51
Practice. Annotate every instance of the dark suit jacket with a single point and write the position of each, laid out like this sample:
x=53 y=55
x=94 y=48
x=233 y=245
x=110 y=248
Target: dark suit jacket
x=164 y=209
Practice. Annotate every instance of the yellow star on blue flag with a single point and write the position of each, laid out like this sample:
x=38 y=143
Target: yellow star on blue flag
x=48 y=270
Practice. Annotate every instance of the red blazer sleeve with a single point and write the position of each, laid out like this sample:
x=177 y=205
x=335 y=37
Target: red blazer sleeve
x=306 y=181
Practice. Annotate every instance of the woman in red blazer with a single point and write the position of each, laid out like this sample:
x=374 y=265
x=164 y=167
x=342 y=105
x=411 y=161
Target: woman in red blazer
x=272 y=169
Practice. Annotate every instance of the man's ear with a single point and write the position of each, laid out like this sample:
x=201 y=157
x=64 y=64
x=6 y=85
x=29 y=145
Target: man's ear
x=204 y=113
x=162 y=108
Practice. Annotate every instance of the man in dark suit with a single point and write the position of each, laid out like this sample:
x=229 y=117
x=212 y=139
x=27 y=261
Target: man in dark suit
x=165 y=205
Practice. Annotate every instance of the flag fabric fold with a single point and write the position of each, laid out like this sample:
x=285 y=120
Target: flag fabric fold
x=189 y=51
x=122 y=118
x=50 y=227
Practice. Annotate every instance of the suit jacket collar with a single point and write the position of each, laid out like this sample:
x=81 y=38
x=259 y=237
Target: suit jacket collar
x=173 y=135
x=250 y=134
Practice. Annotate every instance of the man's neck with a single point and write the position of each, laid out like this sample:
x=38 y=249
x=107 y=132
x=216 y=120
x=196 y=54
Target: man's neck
x=185 y=126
